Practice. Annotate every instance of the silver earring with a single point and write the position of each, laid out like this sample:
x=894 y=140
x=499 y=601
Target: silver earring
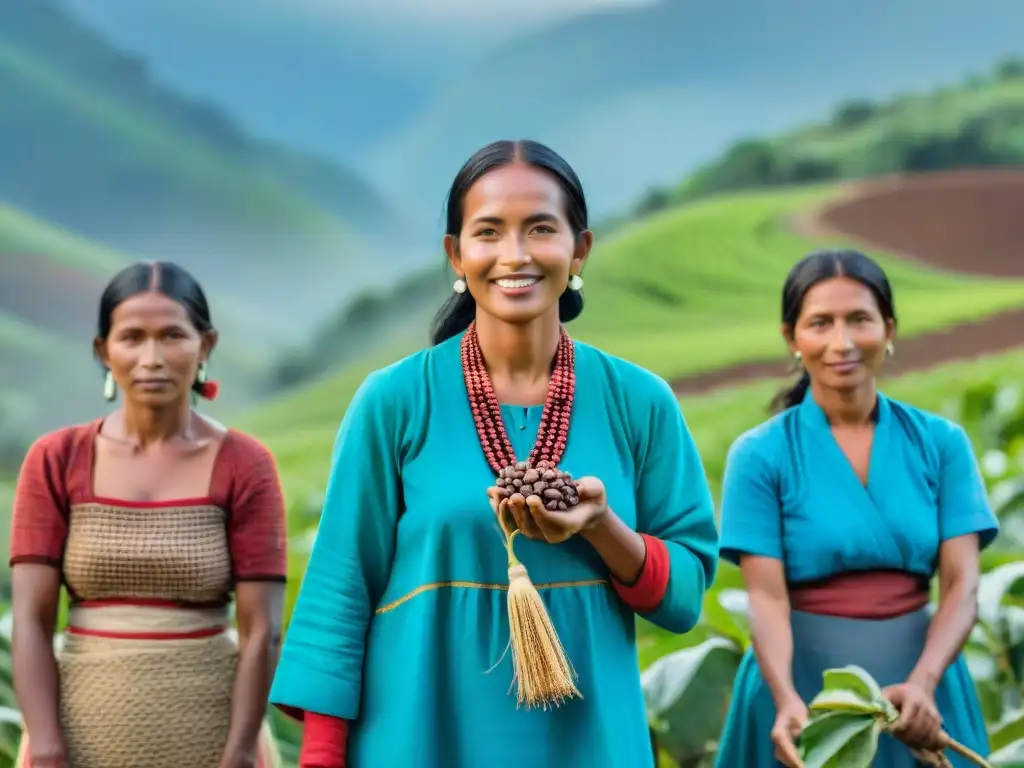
x=575 y=283
x=459 y=286
x=798 y=356
x=109 y=387
x=201 y=374
x=890 y=350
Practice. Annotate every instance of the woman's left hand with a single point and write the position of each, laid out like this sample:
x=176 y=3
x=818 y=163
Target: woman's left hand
x=920 y=724
x=536 y=522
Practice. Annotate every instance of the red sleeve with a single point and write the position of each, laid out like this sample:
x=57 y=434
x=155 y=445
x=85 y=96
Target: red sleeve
x=257 y=531
x=324 y=742
x=646 y=594
x=39 y=518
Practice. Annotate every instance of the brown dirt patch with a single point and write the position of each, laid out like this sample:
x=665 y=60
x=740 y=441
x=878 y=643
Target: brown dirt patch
x=968 y=221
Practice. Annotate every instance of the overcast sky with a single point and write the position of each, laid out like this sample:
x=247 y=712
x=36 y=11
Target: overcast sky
x=522 y=12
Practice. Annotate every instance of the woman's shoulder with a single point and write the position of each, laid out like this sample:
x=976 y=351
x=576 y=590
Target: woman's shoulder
x=762 y=441
x=919 y=423
x=931 y=433
x=60 y=445
x=245 y=450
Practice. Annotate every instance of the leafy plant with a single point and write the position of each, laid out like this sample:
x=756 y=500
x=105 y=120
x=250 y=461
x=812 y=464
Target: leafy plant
x=849 y=715
x=687 y=692
x=687 y=696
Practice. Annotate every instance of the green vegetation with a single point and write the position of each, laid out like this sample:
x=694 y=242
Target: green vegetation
x=975 y=124
x=686 y=290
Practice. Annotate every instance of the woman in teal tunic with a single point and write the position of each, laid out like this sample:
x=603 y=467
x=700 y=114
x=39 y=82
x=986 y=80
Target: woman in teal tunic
x=396 y=652
x=839 y=510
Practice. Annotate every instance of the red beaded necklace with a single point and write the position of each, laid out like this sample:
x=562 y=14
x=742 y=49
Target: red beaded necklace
x=554 y=421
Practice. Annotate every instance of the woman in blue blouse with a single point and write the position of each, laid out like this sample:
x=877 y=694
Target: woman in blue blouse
x=396 y=653
x=839 y=510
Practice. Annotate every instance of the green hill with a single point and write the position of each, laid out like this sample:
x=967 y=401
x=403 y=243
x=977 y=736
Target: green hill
x=689 y=290
x=90 y=142
x=977 y=123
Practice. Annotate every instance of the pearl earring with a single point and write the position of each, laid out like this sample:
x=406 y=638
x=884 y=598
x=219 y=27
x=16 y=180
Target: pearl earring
x=890 y=349
x=798 y=356
x=459 y=286
x=575 y=283
x=109 y=387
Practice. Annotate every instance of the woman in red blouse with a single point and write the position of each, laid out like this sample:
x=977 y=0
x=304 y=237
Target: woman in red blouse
x=152 y=517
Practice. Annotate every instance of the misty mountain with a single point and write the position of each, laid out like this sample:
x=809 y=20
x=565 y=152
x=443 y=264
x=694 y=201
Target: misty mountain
x=637 y=96
x=633 y=95
x=91 y=142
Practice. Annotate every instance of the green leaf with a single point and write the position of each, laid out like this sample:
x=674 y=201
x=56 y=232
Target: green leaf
x=848 y=702
x=1005 y=581
x=725 y=614
x=840 y=741
x=687 y=695
x=1008 y=730
x=854 y=680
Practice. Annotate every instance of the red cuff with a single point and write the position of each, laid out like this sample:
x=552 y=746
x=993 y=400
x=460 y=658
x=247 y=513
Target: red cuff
x=650 y=587
x=324 y=742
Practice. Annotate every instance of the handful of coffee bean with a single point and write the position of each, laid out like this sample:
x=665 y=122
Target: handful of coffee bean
x=555 y=488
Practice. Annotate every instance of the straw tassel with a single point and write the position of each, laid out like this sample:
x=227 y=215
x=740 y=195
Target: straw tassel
x=542 y=672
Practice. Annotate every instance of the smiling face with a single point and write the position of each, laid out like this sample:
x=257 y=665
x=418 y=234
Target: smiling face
x=153 y=349
x=516 y=249
x=840 y=334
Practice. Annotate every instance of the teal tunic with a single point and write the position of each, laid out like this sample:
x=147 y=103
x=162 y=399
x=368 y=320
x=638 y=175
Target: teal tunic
x=790 y=493
x=401 y=615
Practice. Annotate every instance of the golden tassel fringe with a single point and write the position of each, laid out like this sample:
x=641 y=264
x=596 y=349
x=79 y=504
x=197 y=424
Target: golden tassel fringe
x=542 y=671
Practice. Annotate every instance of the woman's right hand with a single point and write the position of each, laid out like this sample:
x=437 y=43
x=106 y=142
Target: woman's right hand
x=789 y=722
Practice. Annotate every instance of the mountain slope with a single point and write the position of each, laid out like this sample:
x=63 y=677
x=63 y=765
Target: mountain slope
x=90 y=142
x=975 y=124
x=350 y=71
x=635 y=97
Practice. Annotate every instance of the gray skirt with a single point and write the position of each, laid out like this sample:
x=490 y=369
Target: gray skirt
x=887 y=649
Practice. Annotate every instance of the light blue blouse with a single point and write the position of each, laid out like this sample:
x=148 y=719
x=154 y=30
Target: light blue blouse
x=790 y=493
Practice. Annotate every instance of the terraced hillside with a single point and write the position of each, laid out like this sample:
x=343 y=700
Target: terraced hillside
x=966 y=223
x=688 y=293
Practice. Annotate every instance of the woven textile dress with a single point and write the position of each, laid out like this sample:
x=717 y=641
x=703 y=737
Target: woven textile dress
x=147 y=668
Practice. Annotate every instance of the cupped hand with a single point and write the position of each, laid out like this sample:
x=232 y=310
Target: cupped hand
x=919 y=724
x=541 y=524
x=790 y=720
